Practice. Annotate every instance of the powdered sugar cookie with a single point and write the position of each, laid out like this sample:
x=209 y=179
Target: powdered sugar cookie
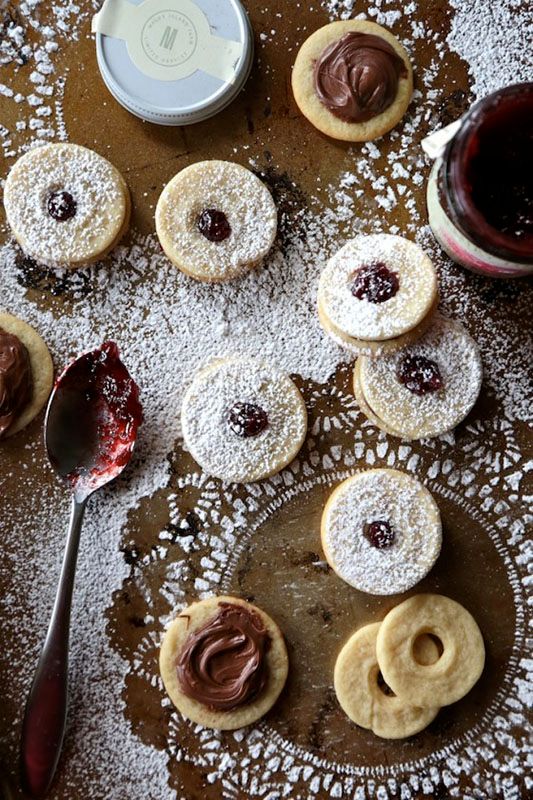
x=365 y=701
x=243 y=420
x=223 y=662
x=352 y=79
x=216 y=220
x=375 y=292
x=457 y=669
x=425 y=389
x=26 y=374
x=66 y=205
x=381 y=531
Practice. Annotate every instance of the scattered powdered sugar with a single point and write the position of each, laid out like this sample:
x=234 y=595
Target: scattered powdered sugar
x=407 y=507
x=457 y=356
x=208 y=435
x=363 y=318
x=96 y=189
x=224 y=187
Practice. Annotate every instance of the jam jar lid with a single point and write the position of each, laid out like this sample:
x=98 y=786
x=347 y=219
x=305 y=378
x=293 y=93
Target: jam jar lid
x=173 y=62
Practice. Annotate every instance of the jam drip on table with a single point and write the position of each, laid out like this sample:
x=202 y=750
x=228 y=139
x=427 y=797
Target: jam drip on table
x=214 y=225
x=419 y=374
x=375 y=283
x=223 y=664
x=247 y=419
x=100 y=415
x=379 y=533
x=61 y=206
x=356 y=77
x=16 y=380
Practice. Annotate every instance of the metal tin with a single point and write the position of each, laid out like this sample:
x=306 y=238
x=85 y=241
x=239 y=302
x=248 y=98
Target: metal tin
x=187 y=100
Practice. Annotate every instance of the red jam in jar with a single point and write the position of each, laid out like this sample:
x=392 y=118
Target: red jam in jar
x=480 y=193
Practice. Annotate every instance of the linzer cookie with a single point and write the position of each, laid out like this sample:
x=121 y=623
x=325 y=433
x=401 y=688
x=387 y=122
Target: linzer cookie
x=377 y=294
x=352 y=79
x=367 y=700
x=427 y=388
x=66 y=205
x=381 y=531
x=216 y=220
x=463 y=652
x=243 y=420
x=26 y=374
x=223 y=662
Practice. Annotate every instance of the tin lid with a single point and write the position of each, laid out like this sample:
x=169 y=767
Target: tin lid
x=173 y=62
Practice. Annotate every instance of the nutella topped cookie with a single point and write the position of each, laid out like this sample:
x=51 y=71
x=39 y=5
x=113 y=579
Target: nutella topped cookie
x=66 y=205
x=216 y=220
x=427 y=388
x=352 y=79
x=26 y=374
x=243 y=420
x=223 y=662
x=377 y=294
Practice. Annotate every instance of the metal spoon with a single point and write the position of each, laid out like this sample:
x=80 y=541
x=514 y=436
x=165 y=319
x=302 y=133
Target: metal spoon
x=90 y=429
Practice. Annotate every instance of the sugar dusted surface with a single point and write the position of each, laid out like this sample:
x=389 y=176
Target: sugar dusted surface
x=363 y=319
x=220 y=452
x=457 y=356
x=410 y=510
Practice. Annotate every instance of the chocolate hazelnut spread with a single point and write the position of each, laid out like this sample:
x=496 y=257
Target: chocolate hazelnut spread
x=222 y=664
x=16 y=381
x=356 y=77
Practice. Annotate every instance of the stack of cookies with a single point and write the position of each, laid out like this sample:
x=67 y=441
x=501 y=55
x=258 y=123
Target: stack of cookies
x=417 y=374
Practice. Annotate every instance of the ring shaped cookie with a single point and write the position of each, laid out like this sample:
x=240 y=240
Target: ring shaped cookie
x=460 y=664
x=377 y=288
x=190 y=620
x=447 y=347
x=66 y=205
x=41 y=364
x=361 y=697
x=317 y=113
x=226 y=396
x=381 y=531
x=216 y=220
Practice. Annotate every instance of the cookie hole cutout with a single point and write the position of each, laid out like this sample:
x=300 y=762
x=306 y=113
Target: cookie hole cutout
x=383 y=686
x=427 y=649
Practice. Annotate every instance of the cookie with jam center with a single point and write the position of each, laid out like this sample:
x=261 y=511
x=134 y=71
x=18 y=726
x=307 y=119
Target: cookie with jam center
x=26 y=374
x=425 y=389
x=353 y=80
x=216 y=220
x=243 y=420
x=66 y=205
x=223 y=662
x=377 y=294
x=381 y=531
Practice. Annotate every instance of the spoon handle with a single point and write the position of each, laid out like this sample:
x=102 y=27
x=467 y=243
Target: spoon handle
x=45 y=715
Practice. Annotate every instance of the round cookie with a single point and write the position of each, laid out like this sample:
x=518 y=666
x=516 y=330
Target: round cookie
x=216 y=220
x=460 y=664
x=236 y=665
x=66 y=205
x=376 y=290
x=353 y=80
x=243 y=420
x=42 y=369
x=363 y=405
x=356 y=682
x=425 y=389
x=381 y=531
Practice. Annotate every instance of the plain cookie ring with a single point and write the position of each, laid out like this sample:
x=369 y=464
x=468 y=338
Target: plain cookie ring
x=364 y=701
x=66 y=205
x=460 y=664
x=243 y=420
x=216 y=220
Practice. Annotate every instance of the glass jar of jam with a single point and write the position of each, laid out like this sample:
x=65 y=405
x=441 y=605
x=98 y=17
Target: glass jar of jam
x=480 y=191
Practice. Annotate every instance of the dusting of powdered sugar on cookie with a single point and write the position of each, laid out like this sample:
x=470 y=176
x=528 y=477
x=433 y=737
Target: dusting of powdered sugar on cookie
x=413 y=517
